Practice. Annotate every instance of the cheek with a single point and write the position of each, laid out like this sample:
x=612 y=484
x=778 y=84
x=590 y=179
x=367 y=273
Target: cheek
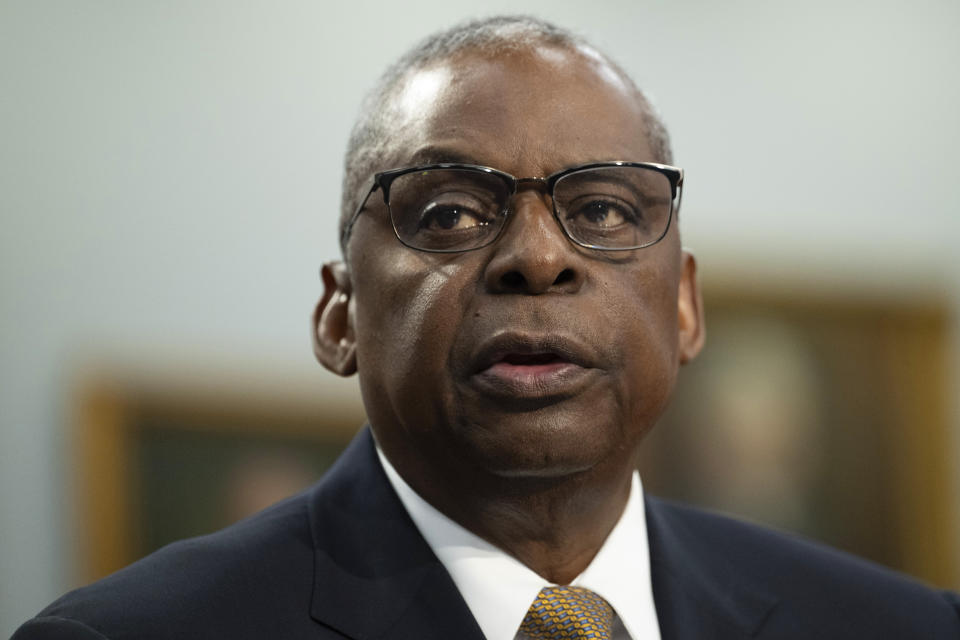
x=406 y=319
x=650 y=344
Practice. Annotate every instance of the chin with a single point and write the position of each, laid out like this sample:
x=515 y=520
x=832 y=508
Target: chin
x=539 y=445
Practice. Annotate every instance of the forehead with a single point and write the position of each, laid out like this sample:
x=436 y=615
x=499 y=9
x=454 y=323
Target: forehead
x=529 y=112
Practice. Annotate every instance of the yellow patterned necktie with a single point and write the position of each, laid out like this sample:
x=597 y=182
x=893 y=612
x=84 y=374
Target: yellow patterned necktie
x=561 y=612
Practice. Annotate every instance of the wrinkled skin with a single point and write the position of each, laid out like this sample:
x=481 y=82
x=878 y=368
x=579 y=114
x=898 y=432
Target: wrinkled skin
x=544 y=474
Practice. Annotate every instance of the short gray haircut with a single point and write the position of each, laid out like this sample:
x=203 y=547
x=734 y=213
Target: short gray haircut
x=371 y=135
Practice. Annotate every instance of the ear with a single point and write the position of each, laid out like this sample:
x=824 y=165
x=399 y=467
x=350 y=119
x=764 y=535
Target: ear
x=334 y=343
x=691 y=332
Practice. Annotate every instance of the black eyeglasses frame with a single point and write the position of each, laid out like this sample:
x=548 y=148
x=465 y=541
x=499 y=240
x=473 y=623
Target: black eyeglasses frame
x=383 y=179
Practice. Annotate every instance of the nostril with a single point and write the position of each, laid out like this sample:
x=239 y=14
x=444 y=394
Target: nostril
x=565 y=276
x=513 y=280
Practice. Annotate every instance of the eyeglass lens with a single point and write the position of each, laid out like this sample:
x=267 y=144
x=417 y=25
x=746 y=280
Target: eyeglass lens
x=457 y=209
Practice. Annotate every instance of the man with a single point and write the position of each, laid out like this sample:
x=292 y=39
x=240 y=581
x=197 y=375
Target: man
x=516 y=301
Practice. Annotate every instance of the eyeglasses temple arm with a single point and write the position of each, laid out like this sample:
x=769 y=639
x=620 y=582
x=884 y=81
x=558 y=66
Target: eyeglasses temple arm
x=348 y=229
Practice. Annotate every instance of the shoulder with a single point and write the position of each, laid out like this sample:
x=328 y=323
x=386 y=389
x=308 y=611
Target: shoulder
x=261 y=564
x=808 y=581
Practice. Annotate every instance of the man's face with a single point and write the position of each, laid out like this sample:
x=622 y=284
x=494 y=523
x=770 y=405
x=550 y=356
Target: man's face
x=532 y=356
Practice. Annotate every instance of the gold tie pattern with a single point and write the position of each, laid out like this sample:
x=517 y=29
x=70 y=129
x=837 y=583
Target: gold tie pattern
x=561 y=612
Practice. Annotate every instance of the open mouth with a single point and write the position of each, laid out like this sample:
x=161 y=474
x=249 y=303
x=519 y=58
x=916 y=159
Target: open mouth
x=522 y=367
x=531 y=359
x=520 y=351
x=530 y=366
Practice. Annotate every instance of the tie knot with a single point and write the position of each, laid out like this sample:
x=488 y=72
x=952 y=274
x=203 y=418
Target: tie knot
x=562 y=612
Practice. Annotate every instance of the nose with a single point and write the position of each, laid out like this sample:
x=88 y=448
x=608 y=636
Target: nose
x=533 y=256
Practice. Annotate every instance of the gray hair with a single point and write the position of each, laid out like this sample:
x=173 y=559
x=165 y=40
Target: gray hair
x=371 y=134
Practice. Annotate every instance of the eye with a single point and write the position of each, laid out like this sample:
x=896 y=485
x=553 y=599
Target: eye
x=602 y=213
x=437 y=216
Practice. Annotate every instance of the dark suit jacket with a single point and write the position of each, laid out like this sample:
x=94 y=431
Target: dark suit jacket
x=343 y=559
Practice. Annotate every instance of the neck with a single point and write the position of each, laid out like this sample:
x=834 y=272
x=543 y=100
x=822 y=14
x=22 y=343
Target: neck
x=555 y=526
x=556 y=531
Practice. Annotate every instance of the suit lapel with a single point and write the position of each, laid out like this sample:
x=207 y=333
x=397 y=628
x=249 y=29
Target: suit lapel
x=697 y=592
x=374 y=575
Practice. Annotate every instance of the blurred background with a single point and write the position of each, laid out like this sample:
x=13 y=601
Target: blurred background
x=169 y=184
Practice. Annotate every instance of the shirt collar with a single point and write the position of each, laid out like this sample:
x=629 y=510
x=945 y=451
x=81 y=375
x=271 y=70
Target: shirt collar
x=499 y=589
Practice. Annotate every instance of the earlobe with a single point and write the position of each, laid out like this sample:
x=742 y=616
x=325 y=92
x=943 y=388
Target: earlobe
x=691 y=331
x=334 y=343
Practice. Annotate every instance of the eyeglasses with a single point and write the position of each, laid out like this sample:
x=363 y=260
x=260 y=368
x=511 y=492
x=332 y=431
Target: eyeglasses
x=447 y=208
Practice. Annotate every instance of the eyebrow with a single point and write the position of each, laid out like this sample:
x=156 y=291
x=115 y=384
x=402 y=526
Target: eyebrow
x=628 y=185
x=440 y=155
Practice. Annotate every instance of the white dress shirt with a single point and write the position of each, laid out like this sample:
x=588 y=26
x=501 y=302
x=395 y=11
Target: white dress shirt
x=499 y=589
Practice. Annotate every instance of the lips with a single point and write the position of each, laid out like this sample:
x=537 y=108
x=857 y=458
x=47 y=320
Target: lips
x=532 y=359
x=529 y=367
